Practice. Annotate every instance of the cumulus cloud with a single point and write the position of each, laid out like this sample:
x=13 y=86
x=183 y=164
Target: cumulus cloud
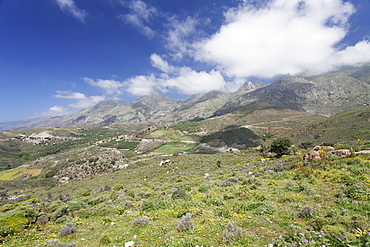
x=141 y=85
x=70 y=6
x=69 y=95
x=181 y=79
x=109 y=86
x=140 y=16
x=281 y=37
x=55 y=111
x=82 y=100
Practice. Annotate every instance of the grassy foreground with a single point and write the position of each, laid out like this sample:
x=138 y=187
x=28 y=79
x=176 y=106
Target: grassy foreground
x=200 y=200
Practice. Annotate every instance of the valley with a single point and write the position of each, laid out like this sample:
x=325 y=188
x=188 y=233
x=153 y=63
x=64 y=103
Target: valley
x=100 y=186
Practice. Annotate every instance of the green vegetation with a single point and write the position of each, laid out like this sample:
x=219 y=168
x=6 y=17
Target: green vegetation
x=234 y=135
x=122 y=144
x=176 y=147
x=246 y=200
x=92 y=190
x=281 y=146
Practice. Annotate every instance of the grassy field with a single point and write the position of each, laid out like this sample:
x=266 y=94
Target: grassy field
x=176 y=147
x=245 y=200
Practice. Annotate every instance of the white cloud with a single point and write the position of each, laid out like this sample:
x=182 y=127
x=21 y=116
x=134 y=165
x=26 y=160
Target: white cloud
x=82 y=100
x=70 y=6
x=109 y=86
x=281 y=37
x=141 y=85
x=160 y=64
x=69 y=95
x=179 y=34
x=353 y=55
x=191 y=82
x=88 y=102
x=181 y=79
x=140 y=16
x=55 y=111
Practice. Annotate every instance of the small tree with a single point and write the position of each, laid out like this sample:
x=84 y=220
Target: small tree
x=281 y=146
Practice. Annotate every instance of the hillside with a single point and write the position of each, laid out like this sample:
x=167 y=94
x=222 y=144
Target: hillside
x=350 y=125
x=326 y=94
x=229 y=199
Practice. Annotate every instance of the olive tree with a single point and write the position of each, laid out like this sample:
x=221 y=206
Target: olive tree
x=281 y=146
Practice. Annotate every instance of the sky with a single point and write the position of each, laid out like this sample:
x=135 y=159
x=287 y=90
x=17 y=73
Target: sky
x=61 y=56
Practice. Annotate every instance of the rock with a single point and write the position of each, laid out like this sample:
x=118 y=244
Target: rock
x=163 y=162
x=339 y=152
x=42 y=220
x=323 y=148
x=312 y=155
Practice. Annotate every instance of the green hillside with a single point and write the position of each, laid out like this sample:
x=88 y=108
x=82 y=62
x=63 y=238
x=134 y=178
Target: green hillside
x=350 y=125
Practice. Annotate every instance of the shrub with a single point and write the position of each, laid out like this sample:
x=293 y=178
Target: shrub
x=118 y=187
x=306 y=212
x=61 y=211
x=185 y=223
x=140 y=221
x=18 y=219
x=75 y=206
x=232 y=231
x=67 y=229
x=104 y=210
x=83 y=192
x=281 y=146
x=180 y=193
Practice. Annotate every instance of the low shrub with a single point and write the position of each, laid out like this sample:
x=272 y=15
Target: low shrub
x=180 y=193
x=140 y=221
x=67 y=229
x=185 y=223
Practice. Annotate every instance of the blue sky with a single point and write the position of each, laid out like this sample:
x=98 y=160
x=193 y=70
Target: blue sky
x=60 y=56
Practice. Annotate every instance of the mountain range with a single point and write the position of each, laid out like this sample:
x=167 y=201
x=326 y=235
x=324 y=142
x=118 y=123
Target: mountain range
x=325 y=94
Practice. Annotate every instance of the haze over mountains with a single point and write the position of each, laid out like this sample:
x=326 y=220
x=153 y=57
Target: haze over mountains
x=326 y=94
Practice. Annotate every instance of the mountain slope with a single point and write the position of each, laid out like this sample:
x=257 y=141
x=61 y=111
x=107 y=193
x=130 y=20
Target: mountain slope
x=349 y=125
x=325 y=94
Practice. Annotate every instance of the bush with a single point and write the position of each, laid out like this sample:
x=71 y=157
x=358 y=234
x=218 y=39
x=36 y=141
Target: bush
x=140 y=221
x=67 y=229
x=232 y=231
x=18 y=219
x=180 y=193
x=186 y=223
x=118 y=187
x=83 y=192
x=104 y=210
x=306 y=212
x=281 y=146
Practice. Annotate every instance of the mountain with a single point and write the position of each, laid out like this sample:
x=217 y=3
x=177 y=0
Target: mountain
x=325 y=94
x=153 y=108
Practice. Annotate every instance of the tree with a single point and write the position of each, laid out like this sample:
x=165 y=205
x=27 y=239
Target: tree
x=281 y=146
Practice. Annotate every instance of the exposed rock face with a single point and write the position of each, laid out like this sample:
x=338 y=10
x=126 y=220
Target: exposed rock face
x=312 y=155
x=339 y=152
